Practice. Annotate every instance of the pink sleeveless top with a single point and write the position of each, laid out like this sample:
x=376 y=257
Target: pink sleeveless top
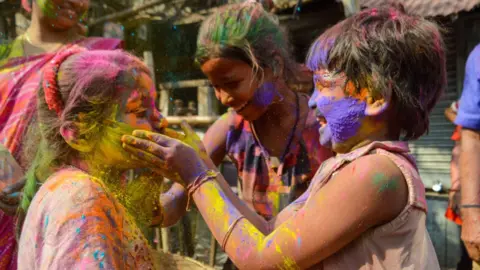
x=404 y=242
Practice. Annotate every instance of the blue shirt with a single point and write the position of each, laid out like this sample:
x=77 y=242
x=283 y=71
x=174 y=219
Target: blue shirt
x=469 y=111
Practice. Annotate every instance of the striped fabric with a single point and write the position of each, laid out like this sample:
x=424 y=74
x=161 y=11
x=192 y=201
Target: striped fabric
x=262 y=188
x=19 y=80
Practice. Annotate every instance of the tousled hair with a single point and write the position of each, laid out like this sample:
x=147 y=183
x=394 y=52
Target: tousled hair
x=249 y=33
x=394 y=55
x=89 y=84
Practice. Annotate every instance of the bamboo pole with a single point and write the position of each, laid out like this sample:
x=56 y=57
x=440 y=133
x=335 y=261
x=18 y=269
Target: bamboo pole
x=192 y=120
x=129 y=12
x=213 y=251
x=165 y=237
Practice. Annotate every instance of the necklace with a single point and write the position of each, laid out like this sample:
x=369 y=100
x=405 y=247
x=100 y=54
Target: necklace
x=274 y=161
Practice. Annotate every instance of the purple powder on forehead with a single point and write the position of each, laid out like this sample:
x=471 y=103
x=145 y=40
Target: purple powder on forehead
x=343 y=116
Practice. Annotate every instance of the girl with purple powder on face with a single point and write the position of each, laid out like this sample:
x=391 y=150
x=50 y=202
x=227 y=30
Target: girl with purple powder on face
x=378 y=74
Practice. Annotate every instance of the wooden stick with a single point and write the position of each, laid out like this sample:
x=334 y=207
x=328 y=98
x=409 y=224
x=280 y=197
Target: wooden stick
x=129 y=12
x=192 y=120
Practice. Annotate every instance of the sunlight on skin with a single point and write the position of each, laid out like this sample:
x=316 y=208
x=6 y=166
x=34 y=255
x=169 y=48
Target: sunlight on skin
x=246 y=242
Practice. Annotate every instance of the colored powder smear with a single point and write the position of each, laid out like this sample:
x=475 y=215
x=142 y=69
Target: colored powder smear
x=264 y=95
x=343 y=116
x=384 y=184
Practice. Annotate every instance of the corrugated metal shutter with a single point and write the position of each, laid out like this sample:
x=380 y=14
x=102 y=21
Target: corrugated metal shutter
x=433 y=151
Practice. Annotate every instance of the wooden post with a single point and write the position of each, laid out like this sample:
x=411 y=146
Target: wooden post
x=158 y=239
x=213 y=251
x=165 y=237
x=148 y=58
x=205 y=102
x=164 y=100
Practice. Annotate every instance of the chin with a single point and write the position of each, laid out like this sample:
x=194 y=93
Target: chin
x=252 y=113
x=341 y=148
x=63 y=24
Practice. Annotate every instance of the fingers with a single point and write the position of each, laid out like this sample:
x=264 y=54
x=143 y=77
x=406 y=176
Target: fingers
x=157 y=138
x=11 y=199
x=187 y=128
x=145 y=156
x=146 y=145
x=173 y=134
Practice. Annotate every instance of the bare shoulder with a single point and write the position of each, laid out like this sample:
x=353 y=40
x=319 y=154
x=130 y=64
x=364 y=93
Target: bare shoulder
x=376 y=183
x=69 y=189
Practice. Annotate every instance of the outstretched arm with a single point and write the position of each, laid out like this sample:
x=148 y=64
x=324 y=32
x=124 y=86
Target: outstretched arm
x=304 y=238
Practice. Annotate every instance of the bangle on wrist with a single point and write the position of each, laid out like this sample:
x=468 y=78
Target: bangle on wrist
x=229 y=232
x=204 y=177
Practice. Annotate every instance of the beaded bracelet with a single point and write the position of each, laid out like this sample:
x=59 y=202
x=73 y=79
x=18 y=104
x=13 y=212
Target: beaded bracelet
x=206 y=176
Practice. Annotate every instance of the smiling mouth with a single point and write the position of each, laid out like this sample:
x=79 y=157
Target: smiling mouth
x=321 y=119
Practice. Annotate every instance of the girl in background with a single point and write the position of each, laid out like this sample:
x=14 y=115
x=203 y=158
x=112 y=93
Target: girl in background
x=269 y=132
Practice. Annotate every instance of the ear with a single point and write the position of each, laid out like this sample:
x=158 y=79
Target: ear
x=71 y=136
x=377 y=106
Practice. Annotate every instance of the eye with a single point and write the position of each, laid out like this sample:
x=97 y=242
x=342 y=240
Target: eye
x=232 y=85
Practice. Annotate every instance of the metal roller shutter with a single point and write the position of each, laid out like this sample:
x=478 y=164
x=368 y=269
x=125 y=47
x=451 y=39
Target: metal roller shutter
x=433 y=151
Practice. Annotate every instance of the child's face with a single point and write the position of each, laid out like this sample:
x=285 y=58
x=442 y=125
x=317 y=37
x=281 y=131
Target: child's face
x=63 y=14
x=137 y=107
x=237 y=87
x=339 y=109
x=136 y=111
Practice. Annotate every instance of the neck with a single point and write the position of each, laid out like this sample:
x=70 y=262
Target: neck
x=101 y=172
x=280 y=114
x=379 y=133
x=39 y=34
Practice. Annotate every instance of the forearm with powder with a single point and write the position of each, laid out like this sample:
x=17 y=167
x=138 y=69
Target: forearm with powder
x=244 y=243
x=258 y=221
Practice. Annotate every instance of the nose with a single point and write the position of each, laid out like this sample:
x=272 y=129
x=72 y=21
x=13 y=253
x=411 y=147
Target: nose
x=311 y=102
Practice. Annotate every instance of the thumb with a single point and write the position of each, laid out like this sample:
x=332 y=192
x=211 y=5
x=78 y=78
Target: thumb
x=187 y=129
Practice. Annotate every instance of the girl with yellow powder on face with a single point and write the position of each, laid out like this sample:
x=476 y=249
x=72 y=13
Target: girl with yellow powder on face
x=77 y=212
x=55 y=25
x=377 y=76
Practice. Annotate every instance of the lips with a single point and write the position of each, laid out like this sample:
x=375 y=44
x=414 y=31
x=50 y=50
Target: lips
x=321 y=119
